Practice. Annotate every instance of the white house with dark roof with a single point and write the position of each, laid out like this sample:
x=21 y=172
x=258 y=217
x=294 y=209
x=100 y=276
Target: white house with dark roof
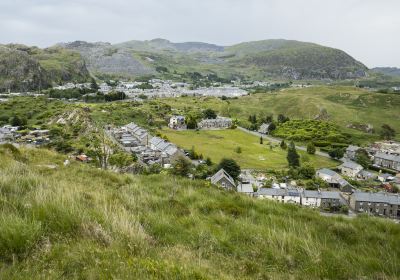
x=350 y=169
x=177 y=122
x=331 y=177
x=292 y=196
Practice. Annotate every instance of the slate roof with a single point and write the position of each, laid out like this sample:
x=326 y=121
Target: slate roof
x=352 y=148
x=245 y=188
x=387 y=156
x=377 y=197
x=222 y=174
x=278 y=192
x=327 y=171
x=351 y=165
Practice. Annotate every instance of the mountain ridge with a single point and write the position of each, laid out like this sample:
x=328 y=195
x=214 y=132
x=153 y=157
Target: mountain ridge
x=145 y=56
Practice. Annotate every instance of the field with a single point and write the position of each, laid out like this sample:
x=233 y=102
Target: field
x=218 y=144
x=78 y=222
x=344 y=105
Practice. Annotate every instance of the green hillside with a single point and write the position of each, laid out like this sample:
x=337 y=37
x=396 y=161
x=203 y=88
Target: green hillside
x=77 y=222
x=278 y=59
x=25 y=68
x=345 y=106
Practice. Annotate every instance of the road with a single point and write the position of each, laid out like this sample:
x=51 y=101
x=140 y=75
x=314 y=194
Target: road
x=277 y=140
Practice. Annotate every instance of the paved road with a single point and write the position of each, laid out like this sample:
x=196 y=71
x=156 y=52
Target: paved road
x=278 y=140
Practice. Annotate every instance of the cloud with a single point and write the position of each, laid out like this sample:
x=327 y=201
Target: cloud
x=366 y=29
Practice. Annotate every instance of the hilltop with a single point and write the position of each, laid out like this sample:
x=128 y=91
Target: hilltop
x=24 y=68
x=268 y=59
x=79 y=222
x=390 y=71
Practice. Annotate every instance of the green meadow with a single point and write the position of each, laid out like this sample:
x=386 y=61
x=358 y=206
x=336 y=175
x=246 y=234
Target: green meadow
x=218 y=144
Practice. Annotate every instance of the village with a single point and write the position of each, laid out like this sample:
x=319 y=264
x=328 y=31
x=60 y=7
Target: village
x=340 y=196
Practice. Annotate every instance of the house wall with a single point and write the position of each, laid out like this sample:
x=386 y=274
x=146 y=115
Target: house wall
x=278 y=198
x=377 y=208
x=223 y=182
x=350 y=172
x=292 y=199
x=311 y=201
x=387 y=163
x=330 y=202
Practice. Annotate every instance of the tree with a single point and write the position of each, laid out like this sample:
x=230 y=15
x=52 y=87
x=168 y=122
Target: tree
x=311 y=148
x=93 y=85
x=181 y=166
x=191 y=122
x=209 y=114
x=271 y=127
x=282 y=118
x=362 y=158
x=261 y=140
x=336 y=153
x=230 y=166
x=16 y=121
x=121 y=159
x=269 y=119
x=387 y=132
x=293 y=157
x=238 y=150
x=101 y=147
x=307 y=171
x=208 y=161
x=283 y=145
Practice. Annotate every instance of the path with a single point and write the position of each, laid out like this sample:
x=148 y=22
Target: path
x=277 y=140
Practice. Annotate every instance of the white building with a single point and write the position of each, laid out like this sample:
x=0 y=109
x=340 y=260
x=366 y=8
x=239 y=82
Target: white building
x=177 y=122
x=292 y=196
x=350 y=169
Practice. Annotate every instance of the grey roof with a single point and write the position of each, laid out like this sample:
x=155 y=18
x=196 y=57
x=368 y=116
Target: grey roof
x=351 y=165
x=352 y=148
x=315 y=194
x=387 y=156
x=377 y=197
x=327 y=171
x=245 y=188
x=331 y=195
x=222 y=174
x=267 y=191
x=278 y=192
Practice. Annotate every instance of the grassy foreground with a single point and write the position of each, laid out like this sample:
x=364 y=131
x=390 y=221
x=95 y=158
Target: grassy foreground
x=218 y=144
x=77 y=222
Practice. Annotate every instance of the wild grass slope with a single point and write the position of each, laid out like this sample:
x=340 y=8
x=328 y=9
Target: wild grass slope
x=77 y=222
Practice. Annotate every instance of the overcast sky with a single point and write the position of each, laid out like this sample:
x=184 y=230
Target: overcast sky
x=369 y=30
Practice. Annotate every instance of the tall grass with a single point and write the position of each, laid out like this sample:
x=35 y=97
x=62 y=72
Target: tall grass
x=82 y=223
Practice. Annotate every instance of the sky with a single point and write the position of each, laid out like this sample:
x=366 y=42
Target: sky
x=366 y=29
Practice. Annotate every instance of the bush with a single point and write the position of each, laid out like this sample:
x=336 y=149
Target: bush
x=322 y=143
x=311 y=148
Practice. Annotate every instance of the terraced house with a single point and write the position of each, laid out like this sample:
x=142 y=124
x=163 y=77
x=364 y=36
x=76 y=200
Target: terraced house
x=218 y=123
x=379 y=204
x=391 y=161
